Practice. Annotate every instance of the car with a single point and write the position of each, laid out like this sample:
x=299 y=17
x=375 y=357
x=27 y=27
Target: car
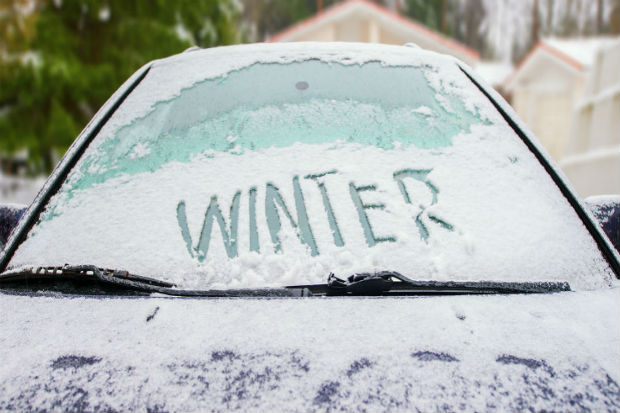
x=308 y=227
x=10 y=214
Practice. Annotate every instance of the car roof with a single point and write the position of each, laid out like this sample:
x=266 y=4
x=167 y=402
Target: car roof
x=236 y=56
x=199 y=65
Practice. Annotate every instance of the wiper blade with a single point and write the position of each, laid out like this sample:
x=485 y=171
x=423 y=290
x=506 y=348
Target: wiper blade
x=91 y=279
x=121 y=281
x=382 y=284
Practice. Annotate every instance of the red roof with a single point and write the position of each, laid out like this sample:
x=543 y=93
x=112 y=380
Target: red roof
x=411 y=24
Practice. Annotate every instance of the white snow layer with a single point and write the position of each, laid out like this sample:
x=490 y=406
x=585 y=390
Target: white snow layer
x=494 y=73
x=583 y=50
x=18 y=190
x=552 y=352
x=509 y=220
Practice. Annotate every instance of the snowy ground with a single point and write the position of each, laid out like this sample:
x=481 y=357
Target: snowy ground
x=16 y=190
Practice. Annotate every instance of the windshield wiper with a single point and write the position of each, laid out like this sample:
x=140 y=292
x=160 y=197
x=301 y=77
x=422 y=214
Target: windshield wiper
x=382 y=284
x=90 y=279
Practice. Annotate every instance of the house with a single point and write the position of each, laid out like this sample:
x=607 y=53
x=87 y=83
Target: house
x=547 y=85
x=592 y=160
x=365 y=21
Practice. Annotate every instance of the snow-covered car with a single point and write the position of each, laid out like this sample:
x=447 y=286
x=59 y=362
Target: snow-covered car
x=308 y=227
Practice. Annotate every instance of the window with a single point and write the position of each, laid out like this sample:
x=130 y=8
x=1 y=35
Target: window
x=279 y=173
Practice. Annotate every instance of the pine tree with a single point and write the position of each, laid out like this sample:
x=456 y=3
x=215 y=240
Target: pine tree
x=54 y=78
x=427 y=12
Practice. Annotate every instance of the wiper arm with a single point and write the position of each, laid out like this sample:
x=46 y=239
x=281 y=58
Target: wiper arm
x=101 y=281
x=382 y=284
x=121 y=281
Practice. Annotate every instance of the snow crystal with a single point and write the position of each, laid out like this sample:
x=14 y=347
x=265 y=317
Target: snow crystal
x=424 y=110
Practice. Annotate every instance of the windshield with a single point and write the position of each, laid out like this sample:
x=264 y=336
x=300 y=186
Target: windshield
x=280 y=173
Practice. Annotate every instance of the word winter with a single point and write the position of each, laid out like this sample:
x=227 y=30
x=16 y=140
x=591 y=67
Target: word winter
x=276 y=207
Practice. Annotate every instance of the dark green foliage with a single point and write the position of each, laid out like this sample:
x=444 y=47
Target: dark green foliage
x=83 y=51
x=279 y=14
x=268 y=17
x=427 y=12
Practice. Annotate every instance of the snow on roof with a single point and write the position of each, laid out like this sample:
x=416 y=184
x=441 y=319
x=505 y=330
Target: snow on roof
x=582 y=50
x=341 y=10
x=201 y=64
x=231 y=58
x=494 y=73
x=578 y=54
x=19 y=191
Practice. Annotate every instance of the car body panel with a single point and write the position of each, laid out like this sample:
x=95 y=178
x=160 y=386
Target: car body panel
x=606 y=209
x=551 y=352
x=9 y=218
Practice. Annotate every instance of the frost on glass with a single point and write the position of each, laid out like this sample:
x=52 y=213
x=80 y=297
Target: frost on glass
x=278 y=174
x=267 y=105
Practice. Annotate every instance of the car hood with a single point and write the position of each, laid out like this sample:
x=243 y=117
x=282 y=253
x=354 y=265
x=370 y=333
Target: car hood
x=474 y=353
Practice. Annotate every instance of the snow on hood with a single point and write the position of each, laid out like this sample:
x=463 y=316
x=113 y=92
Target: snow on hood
x=552 y=352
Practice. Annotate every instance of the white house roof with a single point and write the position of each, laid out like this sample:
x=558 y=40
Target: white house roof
x=581 y=50
x=494 y=73
x=574 y=55
x=387 y=19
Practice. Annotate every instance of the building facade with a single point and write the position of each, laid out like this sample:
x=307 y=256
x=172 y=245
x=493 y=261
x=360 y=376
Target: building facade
x=365 y=21
x=592 y=159
x=558 y=89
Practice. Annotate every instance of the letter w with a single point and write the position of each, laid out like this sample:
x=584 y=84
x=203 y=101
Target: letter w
x=229 y=235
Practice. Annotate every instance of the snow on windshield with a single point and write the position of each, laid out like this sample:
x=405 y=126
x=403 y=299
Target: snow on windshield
x=283 y=169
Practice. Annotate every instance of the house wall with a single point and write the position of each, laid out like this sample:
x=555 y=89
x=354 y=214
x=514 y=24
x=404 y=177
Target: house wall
x=593 y=153
x=545 y=99
x=390 y=38
x=356 y=28
x=325 y=33
x=362 y=24
x=352 y=30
